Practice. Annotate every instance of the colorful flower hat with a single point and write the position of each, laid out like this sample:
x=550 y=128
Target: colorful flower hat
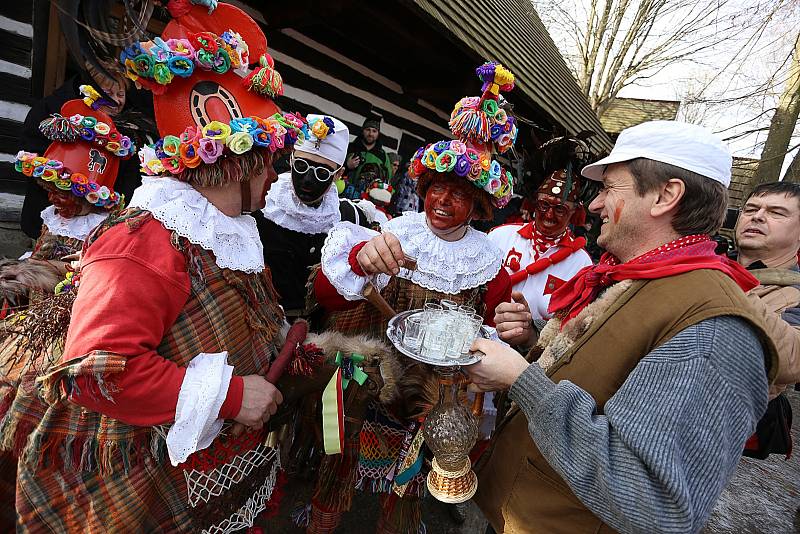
x=199 y=69
x=466 y=161
x=480 y=119
x=208 y=145
x=482 y=129
x=84 y=156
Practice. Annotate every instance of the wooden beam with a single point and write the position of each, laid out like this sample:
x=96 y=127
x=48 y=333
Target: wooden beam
x=56 y=60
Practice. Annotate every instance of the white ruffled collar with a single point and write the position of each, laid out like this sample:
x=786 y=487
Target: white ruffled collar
x=446 y=266
x=76 y=228
x=287 y=211
x=182 y=209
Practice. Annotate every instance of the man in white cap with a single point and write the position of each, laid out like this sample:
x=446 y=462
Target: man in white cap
x=302 y=206
x=653 y=371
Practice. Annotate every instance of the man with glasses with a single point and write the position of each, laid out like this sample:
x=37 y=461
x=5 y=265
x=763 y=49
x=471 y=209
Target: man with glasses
x=542 y=254
x=301 y=207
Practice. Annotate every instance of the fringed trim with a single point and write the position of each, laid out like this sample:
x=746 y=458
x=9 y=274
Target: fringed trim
x=374 y=485
x=311 y=303
x=61 y=383
x=87 y=454
x=337 y=479
x=263 y=313
x=306 y=358
x=400 y=515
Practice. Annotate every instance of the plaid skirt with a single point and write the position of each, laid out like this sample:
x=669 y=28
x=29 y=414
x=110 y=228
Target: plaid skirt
x=150 y=497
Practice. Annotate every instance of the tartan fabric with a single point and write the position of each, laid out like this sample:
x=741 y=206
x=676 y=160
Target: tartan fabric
x=54 y=247
x=82 y=471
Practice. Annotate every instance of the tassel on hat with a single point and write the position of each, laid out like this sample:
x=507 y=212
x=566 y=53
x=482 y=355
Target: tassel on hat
x=56 y=127
x=265 y=80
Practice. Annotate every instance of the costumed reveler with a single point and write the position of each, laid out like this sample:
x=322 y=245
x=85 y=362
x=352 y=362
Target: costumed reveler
x=543 y=254
x=175 y=321
x=418 y=257
x=302 y=206
x=77 y=171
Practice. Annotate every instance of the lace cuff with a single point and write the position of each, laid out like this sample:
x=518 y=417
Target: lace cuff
x=335 y=258
x=202 y=393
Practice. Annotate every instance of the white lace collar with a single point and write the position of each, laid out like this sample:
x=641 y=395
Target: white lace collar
x=182 y=209
x=446 y=266
x=76 y=228
x=286 y=210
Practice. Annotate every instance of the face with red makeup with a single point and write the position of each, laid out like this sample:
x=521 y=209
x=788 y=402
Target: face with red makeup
x=552 y=215
x=67 y=205
x=449 y=205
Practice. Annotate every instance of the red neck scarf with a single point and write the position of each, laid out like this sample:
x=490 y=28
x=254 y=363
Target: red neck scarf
x=680 y=256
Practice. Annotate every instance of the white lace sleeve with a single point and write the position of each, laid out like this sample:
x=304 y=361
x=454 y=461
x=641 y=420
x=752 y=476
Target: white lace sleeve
x=335 y=258
x=202 y=393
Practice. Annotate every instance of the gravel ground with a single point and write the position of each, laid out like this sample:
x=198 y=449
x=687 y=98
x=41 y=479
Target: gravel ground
x=762 y=497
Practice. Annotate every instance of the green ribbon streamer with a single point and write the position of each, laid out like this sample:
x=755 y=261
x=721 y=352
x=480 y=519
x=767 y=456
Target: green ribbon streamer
x=351 y=366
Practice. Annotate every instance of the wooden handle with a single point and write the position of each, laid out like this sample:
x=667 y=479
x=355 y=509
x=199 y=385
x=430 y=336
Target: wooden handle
x=375 y=298
x=297 y=334
x=477 y=405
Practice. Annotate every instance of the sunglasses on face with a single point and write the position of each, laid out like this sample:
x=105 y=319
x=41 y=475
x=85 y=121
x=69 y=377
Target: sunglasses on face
x=322 y=174
x=561 y=210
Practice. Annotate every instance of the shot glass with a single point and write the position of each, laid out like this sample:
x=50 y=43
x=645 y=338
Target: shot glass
x=413 y=332
x=436 y=341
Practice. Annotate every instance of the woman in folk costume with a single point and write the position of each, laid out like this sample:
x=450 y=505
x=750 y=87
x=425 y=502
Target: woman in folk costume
x=543 y=254
x=176 y=320
x=78 y=171
x=418 y=257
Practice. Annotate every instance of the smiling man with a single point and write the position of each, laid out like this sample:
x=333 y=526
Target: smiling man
x=653 y=371
x=543 y=254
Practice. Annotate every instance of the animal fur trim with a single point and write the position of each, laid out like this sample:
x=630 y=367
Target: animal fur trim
x=19 y=277
x=375 y=352
x=556 y=342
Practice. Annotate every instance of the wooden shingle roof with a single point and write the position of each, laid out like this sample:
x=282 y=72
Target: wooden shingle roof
x=527 y=49
x=626 y=112
x=741 y=174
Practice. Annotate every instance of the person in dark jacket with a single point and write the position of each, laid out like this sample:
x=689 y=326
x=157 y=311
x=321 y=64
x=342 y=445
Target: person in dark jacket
x=366 y=160
x=301 y=207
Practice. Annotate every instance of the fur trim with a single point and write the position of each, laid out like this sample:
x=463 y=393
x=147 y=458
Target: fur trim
x=556 y=342
x=19 y=277
x=376 y=353
x=777 y=277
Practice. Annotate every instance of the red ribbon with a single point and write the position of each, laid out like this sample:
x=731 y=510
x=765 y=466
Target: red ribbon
x=566 y=250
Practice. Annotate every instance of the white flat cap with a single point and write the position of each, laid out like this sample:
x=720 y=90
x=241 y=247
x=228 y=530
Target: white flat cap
x=684 y=145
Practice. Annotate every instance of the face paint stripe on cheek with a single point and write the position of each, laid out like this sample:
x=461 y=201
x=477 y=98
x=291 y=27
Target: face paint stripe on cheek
x=618 y=210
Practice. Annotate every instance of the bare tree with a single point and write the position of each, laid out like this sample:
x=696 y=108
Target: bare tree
x=782 y=125
x=793 y=172
x=611 y=44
